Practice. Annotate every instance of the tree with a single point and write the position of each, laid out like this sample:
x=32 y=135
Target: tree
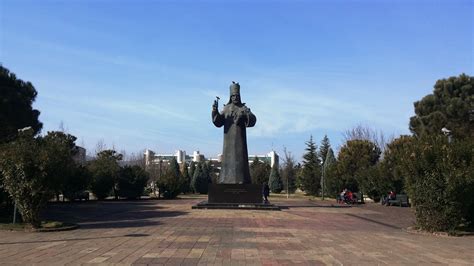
x=23 y=164
x=16 y=111
x=310 y=177
x=289 y=172
x=154 y=174
x=192 y=169
x=62 y=148
x=354 y=163
x=105 y=171
x=171 y=183
x=211 y=172
x=274 y=181
x=131 y=182
x=200 y=179
x=392 y=164
x=439 y=177
x=323 y=149
x=186 y=178
x=451 y=105
x=259 y=171
x=76 y=182
x=328 y=173
x=361 y=132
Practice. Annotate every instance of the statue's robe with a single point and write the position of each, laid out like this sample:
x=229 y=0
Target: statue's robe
x=235 y=161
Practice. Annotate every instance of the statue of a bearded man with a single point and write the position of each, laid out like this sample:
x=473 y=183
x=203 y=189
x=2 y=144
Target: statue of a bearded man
x=235 y=118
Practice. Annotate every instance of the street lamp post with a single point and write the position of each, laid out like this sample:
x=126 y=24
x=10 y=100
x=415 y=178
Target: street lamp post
x=447 y=133
x=20 y=130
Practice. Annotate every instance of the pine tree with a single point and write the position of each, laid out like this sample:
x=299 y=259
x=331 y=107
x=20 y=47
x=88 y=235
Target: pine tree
x=16 y=108
x=174 y=169
x=274 y=182
x=310 y=178
x=259 y=171
x=192 y=169
x=200 y=179
x=186 y=183
x=171 y=181
x=329 y=162
x=449 y=106
x=323 y=149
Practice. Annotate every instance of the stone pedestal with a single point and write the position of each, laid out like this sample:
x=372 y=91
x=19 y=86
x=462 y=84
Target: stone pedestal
x=235 y=193
x=235 y=196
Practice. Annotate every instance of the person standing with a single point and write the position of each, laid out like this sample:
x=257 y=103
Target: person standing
x=265 y=192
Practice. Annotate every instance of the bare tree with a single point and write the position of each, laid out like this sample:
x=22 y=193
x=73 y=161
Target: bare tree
x=363 y=132
x=137 y=158
x=100 y=146
x=289 y=172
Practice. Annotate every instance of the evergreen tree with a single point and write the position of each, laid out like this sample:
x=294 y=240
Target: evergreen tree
x=62 y=147
x=77 y=182
x=105 y=171
x=171 y=183
x=132 y=182
x=355 y=166
x=174 y=169
x=259 y=171
x=186 y=183
x=192 y=169
x=196 y=173
x=211 y=172
x=323 y=149
x=310 y=178
x=16 y=110
x=274 y=181
x=450 y=106
x=392 y=164
x=200 y=179
x=22 y=166
x=328 y=175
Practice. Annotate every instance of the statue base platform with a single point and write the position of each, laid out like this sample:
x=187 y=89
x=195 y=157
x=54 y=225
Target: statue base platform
x=237 y=206
x=235 y=196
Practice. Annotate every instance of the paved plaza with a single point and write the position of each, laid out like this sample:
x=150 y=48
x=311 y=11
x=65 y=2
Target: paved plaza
x=169 y=232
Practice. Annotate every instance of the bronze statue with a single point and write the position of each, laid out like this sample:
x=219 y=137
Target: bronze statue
x=235 y=118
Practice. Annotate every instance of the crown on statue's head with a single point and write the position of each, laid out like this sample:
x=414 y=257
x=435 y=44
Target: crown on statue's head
x=234 y=88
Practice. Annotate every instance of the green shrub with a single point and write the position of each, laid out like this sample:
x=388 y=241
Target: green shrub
x=201 y=179
x=132 y=182
x=105 y=171
x=440 y=182
x=76 y=182
x=22 y=166
x=170 y=184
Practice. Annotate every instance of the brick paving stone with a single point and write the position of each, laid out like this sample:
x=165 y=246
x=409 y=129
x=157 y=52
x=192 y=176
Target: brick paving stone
x=171 y=233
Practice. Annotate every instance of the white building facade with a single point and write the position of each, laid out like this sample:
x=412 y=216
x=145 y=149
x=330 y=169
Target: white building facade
x=151 y=157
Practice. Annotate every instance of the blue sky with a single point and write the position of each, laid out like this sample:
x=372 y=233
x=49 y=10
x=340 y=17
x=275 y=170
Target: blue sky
x=143 y=74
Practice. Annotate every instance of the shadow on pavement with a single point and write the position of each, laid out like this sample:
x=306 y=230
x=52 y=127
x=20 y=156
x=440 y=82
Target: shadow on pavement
x=373 y=221
x=313 y=206
x=71 y=239
x=110 y=214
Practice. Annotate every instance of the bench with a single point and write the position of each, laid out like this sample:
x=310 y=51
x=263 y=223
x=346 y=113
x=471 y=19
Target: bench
x=358 y=197
x=400 y=200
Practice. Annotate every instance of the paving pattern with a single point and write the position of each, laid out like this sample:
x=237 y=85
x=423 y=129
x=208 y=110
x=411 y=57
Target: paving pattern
x=171 y=233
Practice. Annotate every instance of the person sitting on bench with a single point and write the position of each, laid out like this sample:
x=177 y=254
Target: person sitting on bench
x=392 y=195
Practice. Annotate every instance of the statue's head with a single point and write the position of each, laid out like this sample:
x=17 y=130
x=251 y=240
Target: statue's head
x=234 y=93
